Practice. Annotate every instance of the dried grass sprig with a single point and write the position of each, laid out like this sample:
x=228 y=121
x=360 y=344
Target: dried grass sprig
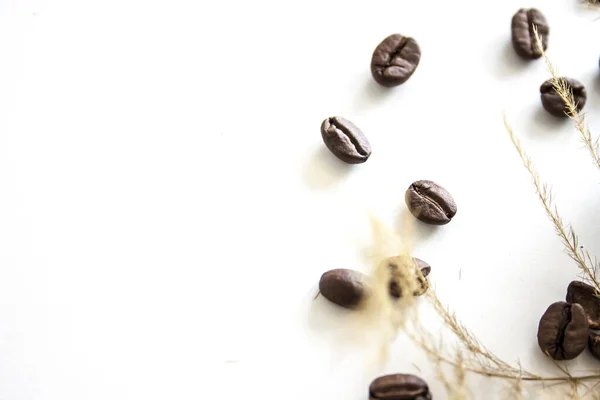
x=484 y=357
x=564 y=91
x=473 y=347
x=470 y=356
x=566 y=233
x=590 y=3
x=516 y=392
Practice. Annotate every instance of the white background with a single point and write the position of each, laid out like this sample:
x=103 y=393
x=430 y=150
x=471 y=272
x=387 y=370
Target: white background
x=167 y=205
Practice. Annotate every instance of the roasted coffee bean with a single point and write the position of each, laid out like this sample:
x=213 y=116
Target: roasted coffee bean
x=399 y=387
x=563 y=331
x=585 y=295
x=523 y=37
x=396 y=275
x=345 y=287
x=430 y=203
x=345 y=140
x=394 y=60
x=594 y=344
x=552 y=101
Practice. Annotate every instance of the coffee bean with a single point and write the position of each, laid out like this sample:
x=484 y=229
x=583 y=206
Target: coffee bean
x=554 y=104
x=399 y=387
x=430 y=203
x=585 y=295
x=563 y=331
x=423 y=266
x=523 y=37
x=396 y=275
x=345 y=140
x=594 y=344
x=345 y=287
x=394 y=60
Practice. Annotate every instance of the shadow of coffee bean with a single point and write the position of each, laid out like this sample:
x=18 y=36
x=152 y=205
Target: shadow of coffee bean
x=416 y=230
x=543 y=123
x=371 y=95
x=345 y=331
x=424 y=231
x=596 y=84
x=508 y=62
x=324 y=170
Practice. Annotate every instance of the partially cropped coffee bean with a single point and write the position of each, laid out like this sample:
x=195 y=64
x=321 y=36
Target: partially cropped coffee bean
x=430 y=203
x=585 y=295
x=394 y=60
x=345 y=287
x=396 y=276
x=523 y=37
x=554 y=103
x=399 y=387
x=563 y=331
x=594 y=344
x=345 y=140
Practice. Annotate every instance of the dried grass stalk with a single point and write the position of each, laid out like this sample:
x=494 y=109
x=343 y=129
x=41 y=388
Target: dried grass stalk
x=471 y=355
x=564 y=91
x=588 y=269
x=590 y=3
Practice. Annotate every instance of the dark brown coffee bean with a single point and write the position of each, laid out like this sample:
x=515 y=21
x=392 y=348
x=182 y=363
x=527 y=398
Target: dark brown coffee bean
x=399 y=387
x=396 y=276
x=430 y=203
x=345 y=140
x=563 y=331
x=345 y=287
x=523 y=37
x=585 y=295
x=594 y=344
x=555 y=104
x=394 y=60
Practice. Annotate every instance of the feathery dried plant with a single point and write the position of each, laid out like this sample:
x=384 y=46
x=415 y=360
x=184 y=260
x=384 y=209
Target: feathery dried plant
x=471 y=356
x=592 y=3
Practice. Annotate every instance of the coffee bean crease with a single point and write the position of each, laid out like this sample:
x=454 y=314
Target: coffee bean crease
x=334 y=123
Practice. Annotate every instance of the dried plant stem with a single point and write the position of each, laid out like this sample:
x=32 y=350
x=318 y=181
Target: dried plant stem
x=466 y=338
x=564 y=91
x=470 y=355
x=565 y=232
x=454 y=364
x=591 y=3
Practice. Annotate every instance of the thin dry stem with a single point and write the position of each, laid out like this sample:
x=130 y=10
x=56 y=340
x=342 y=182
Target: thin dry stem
x=577 y=116
x=574 y=393
x=594 y=391
x=471 y=357
x=472 y=344
x=590 y=3
x=511 y=373
x=565 y=232
x=517 y=389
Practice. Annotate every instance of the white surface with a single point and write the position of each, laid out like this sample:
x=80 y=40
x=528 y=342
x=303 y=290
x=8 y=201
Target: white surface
x=167 y=206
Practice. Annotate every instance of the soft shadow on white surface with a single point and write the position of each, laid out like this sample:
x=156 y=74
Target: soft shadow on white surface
x=344 y=330
x=417 y=231
x=371 y=94
x=324 y=170
x=545 y=125
x=595 y=86
x=327 y=319
x=581 y=365
x=509 y=63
